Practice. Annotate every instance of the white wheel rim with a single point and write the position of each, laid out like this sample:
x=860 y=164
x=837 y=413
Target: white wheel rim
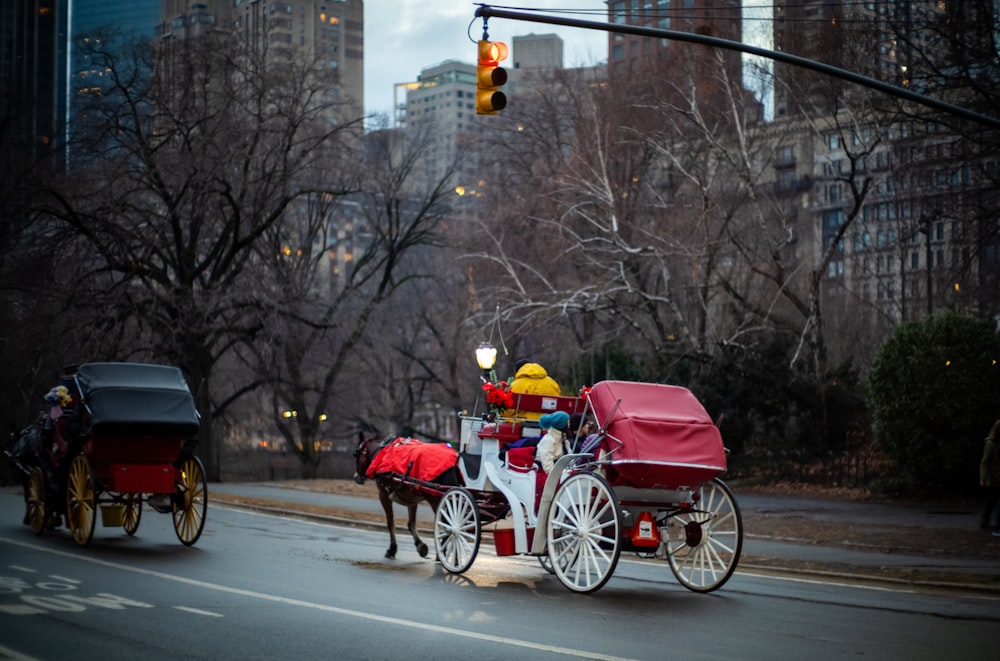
x=456 y=531
x=584 y=533
x=707 y=563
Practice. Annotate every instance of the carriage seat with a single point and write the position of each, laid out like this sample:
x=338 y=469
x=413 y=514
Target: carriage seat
x=521 y=460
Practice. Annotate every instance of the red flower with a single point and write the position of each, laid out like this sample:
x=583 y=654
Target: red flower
x=498 y=396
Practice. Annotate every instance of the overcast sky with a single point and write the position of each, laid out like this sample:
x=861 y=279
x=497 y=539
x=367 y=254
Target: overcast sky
x=402 y=37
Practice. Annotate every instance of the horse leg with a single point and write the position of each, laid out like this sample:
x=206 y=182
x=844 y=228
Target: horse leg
x=411 y=524
x=383 y=497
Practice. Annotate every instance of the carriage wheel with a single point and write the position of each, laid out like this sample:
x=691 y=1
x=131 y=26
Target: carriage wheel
x=133 y=512
x=584 y=532
x=546 y=563
x=190 y=501
x=35 y=505
x=704 y=544
x=456 y=530
x=81 y=501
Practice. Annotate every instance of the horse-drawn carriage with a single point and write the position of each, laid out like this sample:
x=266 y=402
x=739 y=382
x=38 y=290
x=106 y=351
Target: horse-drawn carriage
x=646 y=482
x=122 y=436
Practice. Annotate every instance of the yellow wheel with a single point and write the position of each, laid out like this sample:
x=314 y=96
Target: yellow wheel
x=133 y=512
x=36 y=501
x=81 y=502
x=190 y=501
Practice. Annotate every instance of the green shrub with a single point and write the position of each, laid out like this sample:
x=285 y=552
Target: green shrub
x=934 y=390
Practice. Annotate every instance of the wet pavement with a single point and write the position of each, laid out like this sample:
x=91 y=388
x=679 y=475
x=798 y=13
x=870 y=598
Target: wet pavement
x=980 y=572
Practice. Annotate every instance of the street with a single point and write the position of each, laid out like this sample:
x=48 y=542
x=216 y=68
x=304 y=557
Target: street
x=259 y=586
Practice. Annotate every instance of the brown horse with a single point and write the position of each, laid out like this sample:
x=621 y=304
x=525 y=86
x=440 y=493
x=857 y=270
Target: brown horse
x=392 y=490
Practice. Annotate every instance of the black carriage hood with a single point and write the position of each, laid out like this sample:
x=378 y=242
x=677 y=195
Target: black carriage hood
x=137 y=397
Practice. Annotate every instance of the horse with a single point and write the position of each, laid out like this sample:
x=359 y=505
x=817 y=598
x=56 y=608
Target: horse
x=390 y=491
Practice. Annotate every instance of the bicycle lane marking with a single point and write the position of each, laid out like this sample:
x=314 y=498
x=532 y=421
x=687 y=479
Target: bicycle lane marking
x=433 y=628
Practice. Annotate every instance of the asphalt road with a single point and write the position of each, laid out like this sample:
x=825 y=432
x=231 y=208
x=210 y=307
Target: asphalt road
x=264 y=586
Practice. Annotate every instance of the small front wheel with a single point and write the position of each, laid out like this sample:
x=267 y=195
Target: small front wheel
x=457 y=530
x=190 y=501
x=704 y=543
x=133 y=512
x=584 y=532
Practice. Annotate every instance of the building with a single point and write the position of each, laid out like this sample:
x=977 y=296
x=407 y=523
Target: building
x=669 y=67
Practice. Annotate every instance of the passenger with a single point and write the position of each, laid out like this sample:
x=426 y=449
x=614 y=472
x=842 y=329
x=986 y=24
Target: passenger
x=550 y=448
x=579 y=428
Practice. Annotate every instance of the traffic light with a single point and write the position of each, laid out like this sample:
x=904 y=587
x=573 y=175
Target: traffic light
x=490 y=77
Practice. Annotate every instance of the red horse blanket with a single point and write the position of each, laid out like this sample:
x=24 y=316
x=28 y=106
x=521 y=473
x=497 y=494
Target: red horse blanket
x=408 y=456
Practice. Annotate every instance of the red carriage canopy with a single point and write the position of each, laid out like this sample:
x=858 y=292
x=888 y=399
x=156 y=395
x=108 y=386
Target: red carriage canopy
x=657 y=436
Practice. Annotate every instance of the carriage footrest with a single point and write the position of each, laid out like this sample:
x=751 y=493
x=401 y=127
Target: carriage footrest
x=112 y=515
x=141 y=478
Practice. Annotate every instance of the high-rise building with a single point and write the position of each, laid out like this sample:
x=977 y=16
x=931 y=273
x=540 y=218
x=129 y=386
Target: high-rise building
x=669 y=65
x=32 y=82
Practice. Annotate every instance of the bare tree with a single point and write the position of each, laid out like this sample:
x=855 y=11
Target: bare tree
x=180 y=168
x=326 y=294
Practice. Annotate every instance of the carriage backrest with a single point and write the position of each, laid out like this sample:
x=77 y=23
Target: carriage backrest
x=528 y=403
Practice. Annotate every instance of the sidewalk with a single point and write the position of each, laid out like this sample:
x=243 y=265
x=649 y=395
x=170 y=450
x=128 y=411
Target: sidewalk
x=782 y=534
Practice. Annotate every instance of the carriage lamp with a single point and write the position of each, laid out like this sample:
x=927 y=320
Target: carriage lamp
x=486 y=357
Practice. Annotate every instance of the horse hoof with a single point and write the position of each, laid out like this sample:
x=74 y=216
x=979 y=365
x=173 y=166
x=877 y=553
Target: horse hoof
x=422 y=550
x=391 y=554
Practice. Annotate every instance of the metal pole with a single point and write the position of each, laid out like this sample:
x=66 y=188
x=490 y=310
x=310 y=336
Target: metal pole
x=486 y=12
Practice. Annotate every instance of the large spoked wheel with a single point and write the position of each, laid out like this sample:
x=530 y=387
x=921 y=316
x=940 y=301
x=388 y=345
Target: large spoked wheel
x=35 y=505
x=584 y=532
x=190 y=501
x=81 y=501
x=457 y=530
x=704 y=544
x=133 y=512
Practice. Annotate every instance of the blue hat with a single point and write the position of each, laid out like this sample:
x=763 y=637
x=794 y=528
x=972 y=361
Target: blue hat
x=558 y=420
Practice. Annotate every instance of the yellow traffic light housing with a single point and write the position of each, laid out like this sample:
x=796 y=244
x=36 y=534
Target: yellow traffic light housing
x=490 y=77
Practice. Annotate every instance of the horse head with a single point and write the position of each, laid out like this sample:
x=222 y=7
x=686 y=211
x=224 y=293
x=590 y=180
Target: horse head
x=363 y=455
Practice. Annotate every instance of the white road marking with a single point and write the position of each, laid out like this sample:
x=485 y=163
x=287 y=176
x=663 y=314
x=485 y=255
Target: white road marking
x=198 y=611
x=326 y=608
x=8 y=653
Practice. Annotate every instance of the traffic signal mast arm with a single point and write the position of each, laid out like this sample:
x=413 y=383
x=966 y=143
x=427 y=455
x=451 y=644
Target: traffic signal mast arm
x=486 y=12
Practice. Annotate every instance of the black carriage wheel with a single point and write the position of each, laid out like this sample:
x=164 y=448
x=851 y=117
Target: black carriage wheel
x=35 y=504
x=190 y=501
x=584 y=532
x=81 y=501
x=457 y=530
x=133 y=512
x=704 y=544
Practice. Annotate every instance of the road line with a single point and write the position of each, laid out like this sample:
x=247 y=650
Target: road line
x=198 y=611
x=541 y=647
x=8 y=653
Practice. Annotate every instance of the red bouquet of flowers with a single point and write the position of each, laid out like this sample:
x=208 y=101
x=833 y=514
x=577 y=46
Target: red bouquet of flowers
x=498 y=396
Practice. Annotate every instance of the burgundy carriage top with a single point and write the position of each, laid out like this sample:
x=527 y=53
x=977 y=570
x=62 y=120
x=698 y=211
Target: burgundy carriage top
x=657 y=436
x=137 y=397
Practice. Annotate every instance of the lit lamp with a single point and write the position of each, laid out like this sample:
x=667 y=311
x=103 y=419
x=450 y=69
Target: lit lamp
x=486 y=357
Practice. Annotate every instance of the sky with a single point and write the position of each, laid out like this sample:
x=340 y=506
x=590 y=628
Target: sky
x=402 y=37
